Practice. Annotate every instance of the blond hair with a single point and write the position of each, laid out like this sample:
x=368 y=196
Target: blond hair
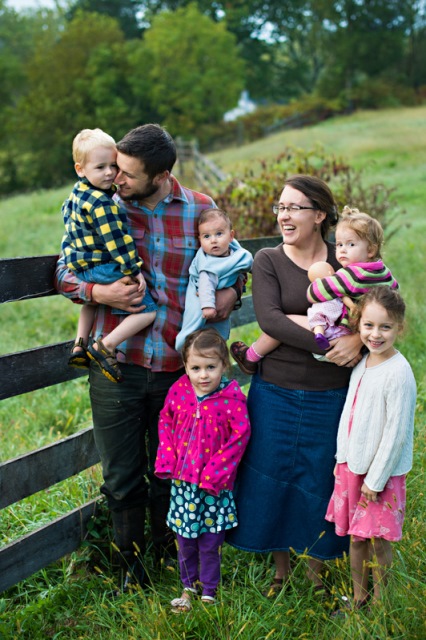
x=366 y=227
x=87 y=140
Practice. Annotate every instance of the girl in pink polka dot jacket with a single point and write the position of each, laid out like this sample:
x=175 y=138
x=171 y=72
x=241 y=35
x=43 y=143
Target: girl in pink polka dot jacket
x=203 y=432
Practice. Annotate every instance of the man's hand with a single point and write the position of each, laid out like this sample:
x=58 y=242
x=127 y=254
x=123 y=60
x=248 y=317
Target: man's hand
x=345 y=351
x=209 y=313
x=122 y=294
x=225 y=302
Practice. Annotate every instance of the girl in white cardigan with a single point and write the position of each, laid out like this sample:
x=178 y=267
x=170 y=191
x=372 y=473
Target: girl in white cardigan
x=374 y=445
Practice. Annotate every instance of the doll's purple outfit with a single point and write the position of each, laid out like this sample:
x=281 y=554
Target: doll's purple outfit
x=354 y=280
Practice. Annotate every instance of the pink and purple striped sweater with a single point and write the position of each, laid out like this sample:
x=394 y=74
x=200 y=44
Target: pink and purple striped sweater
x=352 y=281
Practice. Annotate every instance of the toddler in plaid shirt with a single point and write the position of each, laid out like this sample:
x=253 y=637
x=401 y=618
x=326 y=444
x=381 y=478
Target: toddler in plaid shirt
x=98 y=247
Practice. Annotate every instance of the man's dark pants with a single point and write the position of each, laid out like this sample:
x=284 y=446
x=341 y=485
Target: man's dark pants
x=125 y=421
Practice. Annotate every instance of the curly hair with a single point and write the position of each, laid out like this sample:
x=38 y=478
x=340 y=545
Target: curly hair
x=366 y=227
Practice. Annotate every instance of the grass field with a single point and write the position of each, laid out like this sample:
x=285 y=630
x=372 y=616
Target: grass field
x=71 y=599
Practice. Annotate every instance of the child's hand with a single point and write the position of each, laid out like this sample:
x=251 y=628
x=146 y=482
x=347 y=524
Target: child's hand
x=368 y=493
x=209 y=313
x=141 y=283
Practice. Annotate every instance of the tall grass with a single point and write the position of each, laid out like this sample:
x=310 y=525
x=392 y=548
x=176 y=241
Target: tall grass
x=71 y=599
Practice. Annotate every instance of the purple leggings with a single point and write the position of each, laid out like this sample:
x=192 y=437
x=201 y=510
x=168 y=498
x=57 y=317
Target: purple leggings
x=199 y=561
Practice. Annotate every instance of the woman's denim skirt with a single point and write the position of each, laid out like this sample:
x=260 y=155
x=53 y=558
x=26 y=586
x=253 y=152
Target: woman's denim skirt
x=285 y=479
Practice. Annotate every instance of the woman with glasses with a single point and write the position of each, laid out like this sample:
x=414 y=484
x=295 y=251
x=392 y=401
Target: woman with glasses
x=286 y=477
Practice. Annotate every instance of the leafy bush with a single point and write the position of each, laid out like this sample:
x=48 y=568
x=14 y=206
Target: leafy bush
x=249 y=198
x=380 y=93
x=309 y=109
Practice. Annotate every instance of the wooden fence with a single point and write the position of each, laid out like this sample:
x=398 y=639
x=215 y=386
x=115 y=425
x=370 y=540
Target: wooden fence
x=23 y=278
x=205 y=172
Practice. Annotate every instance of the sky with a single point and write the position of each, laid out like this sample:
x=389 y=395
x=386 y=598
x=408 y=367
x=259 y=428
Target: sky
x=30 y=4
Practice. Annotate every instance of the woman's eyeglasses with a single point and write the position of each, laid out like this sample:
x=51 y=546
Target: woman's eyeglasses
x=292 y=208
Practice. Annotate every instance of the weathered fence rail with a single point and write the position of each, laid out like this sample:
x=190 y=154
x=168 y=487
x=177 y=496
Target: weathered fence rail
x=205 y=171
x=37 y=470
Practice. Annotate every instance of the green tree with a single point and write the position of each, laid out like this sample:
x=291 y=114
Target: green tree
x=245 y=19
x=124 y=11
x=18 y=33
x=65 y=93
x=292 y=46
x=365 y=39
x=416 y=45
x=195 y=72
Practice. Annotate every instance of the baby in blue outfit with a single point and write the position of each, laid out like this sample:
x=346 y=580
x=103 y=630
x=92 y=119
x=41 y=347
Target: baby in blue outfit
x=218 y=263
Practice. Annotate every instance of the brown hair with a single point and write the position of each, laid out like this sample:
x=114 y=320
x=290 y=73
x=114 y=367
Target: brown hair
x=320 y=195
x=387 y=298
x=366 y=227
x=209 y=214
x=206 y=339
x=152 y=145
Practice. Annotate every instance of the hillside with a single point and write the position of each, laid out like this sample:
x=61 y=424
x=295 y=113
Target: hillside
x=71 y=598
x=387 y=144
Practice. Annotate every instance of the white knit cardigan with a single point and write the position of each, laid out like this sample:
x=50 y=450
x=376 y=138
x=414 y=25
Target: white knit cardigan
x=380 y=444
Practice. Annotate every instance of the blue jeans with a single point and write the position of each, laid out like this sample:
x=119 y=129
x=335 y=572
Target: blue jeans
x=109 y=272
x=125 y=425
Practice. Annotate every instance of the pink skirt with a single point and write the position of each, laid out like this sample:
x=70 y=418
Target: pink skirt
x=361 y=518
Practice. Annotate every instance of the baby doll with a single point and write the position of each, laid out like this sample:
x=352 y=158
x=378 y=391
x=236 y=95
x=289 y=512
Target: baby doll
x=322 y=316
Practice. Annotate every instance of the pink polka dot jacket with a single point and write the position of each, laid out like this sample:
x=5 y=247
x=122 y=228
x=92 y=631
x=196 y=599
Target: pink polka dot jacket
x=202 y=442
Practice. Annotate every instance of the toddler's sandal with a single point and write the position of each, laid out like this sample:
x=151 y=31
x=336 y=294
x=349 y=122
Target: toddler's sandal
x=321 y=341
x=106 y=360
x=79 y=359
x=209 y=600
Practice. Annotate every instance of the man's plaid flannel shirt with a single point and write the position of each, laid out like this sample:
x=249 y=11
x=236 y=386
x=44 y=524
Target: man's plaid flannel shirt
x=167 y=241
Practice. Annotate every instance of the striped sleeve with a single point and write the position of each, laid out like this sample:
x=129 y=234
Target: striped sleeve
x=353 y=281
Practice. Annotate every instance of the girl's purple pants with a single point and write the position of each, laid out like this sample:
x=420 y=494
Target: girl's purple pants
x=199 y=561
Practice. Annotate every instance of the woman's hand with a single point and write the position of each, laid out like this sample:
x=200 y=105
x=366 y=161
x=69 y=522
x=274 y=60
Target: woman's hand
x=345 y=351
